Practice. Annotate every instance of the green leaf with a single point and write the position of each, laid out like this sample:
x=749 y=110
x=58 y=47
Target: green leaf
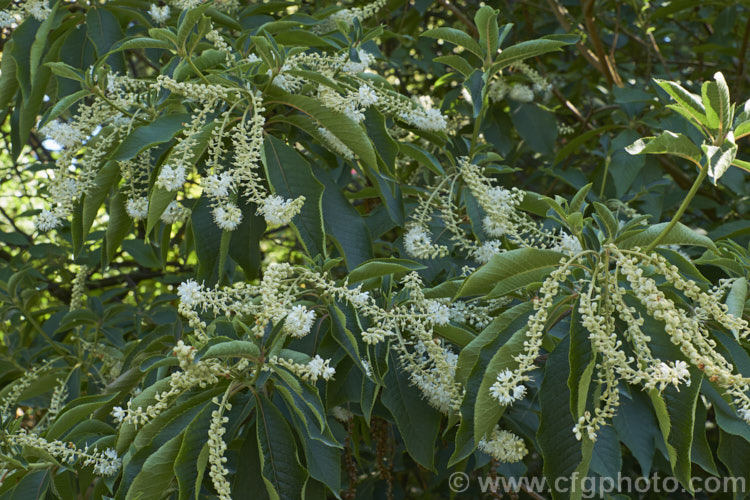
x=720 y=158
x=562 y=453
x=680 y=405
x=75 y=412
x=679 y=235
x=718 y=107
x=158 y=201
x=343 y=223
x=290 y=176
x=233 y=349
x=189 y=20
x=143 y=43
x=207 y=241
x=104 y=31
x=608 y=219
x=734 y=452
x=487 y=409
x=509 y=271
x=736 y=300
x=341 y=126
x=157 y=472
x=455 y=37
x=283 y=475
x=162 y=129
x=667 y=143
x=244 y=247
x=582 y=363
x=530 y=48
x=375 y=268
x=105 y=179
x=537 y=126
x=417 y=421
x=457 y=62
x=422 y=156
x=486 y=21
x=118 y=226
x=65 y=71
x=690 y=103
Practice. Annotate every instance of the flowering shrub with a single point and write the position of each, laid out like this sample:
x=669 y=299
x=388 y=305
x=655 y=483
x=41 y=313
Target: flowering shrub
x=267 y=250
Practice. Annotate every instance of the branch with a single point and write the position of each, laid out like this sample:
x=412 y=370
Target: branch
x=461 y=16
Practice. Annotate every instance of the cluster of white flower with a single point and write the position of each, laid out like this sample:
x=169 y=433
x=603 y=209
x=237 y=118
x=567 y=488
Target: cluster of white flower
x=218 y=185
x=78 y=290
x=57 y=402
x=105 y=463
x=202 y=374
x=159 y=14
x=299 y=321
x=336 y=144
x=217 y=447
x=418 y=243
x=499 y=88
x=506 y=393
x=348 y=15
x=171 y=177
x=434 y=376
x=227 y=216
x=311 y=371
x=279 y=211
x=16 y=13
x=7 y=408
x=137 y=208
x=175 y=212
x=503 y=446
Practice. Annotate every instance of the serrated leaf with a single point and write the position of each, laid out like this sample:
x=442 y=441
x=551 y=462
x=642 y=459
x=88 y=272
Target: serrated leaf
x=290 y=176
x=720 y=158
x=456 y=37
x=667 y=143
x=562 y=453
x=283 y=475
x=509 y=271
x=487 y=409
x=486 y=22
x=162 y=129
x=687 y=101
x=679 y=235
x=530 y=48
x=233 y=349
x=375 y=268
x=417 y=421
x=456 y=62
x=736 y=300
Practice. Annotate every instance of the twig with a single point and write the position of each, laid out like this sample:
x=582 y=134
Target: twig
x=461 y=16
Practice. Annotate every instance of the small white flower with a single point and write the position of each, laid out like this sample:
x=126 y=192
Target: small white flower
x=171 y=178
x=252 y=58
x=503 y=446
x=118 y=413
x=174 y=213
x=521 y=93
x=190 y=293
x=46 y=220
x=367 y=96
x=218 y=186
x=65 y=134
x=299 y=321
x=505 y=391
x=278 y=211
x=318 y=367
x=228 y=216
x=137 y=208
x=484 y=253
x=568 y=244
x=159 y=14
